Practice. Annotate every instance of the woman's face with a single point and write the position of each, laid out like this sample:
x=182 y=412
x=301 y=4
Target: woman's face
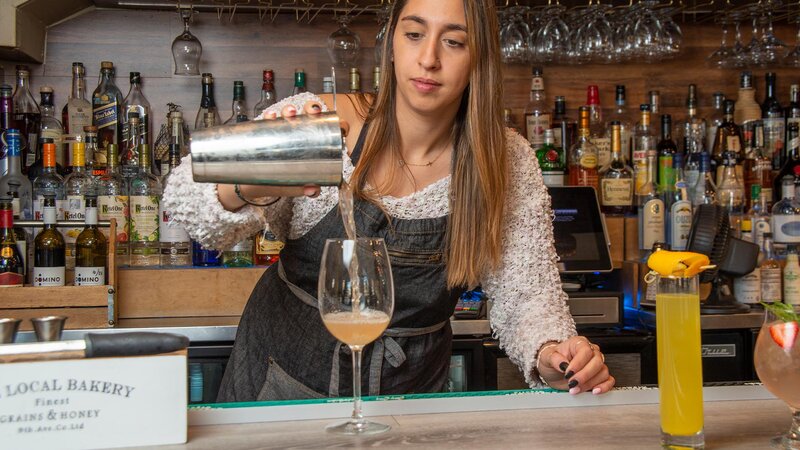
x=431 y=55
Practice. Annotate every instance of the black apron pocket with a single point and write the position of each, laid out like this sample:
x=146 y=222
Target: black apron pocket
x=279 y=385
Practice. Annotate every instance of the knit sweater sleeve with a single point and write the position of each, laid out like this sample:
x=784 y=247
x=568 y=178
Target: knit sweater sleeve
x=529 y=307
x=197 y=207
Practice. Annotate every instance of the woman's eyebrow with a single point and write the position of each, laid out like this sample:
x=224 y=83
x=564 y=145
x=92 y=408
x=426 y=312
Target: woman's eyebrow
x=448 y=27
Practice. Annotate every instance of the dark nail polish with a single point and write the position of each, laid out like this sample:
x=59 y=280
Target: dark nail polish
x=569 y=375
x=563 y=366
x=572 y=384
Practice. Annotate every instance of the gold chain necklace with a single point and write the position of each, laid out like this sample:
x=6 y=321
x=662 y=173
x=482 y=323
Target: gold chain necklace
x=402 y=162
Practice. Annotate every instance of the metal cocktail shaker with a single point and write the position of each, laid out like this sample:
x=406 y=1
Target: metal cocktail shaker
x=294 y=151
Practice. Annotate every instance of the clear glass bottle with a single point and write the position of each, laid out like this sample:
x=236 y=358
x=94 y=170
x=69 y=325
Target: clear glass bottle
x=705 y=191
x=268 y=96
x=786 y=214
x=758 y=214
x=129 y=158
x=136 y=103
x=616 y=179
x=537 y=114
x=27 y=116
x=96 y=161
x=91 y=250
x=78 y=185
x=50 y=126
x=651 y=214
x=238 y=106
x=77 y=112
x=175 y=242
x=6 y=122
x=241 y=255
x=107 y=109
x=728 y=139
x=620 y=114
x=207 y=103
x=644 y=141
x=772 y=116
x=771 y=276
x=715 y=119
x=730 y=192
x=747 y=288
x=694 y=128
x=597 y=127
x=114 y=203
x=49 y=182
x=666 y=150
x=15 y=176
x=48 y=248
x=679 y=207
x=299 y=82
x=757 y=168
x=793 y=108
x=583 y=155
x=145 y=195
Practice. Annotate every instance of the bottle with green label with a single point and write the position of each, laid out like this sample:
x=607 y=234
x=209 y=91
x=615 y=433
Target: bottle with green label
x=145 y=192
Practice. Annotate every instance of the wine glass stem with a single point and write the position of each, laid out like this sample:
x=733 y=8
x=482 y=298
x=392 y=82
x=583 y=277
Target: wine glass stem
x=356 y=351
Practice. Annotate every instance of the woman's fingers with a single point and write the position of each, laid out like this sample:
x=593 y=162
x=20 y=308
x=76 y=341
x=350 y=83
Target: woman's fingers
x=289 y=111
x=312 y=107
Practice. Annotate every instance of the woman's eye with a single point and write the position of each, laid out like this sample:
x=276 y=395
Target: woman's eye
x=453 y=43
x=413 y=35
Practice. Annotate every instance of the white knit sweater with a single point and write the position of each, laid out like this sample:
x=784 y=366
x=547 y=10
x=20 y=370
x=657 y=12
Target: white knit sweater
x=529 y=307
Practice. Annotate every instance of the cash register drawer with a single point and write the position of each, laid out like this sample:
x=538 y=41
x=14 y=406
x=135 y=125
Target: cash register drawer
x=596 y=309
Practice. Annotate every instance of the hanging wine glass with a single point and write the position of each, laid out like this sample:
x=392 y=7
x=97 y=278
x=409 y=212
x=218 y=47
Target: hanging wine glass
x=186 y=48
x=514 y=37
x=792 y=59
x=344 y=44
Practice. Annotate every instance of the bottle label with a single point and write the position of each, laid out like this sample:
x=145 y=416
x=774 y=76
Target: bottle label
x=791 y=283
x=786 y=228
x=616 y=192
x=747 y=289
x=115 y=207
x=553 y=178
x=105 y=115
x=169 y=230
x=144 y=218
x=75 y=210
x=79 y=115
x=760 y=226
x=774 y=129
x=652 y=223
x=38 y=209
x=49 y=276
x=11 y=279
x=268 y=244
x=537 y=84
x=603 y=150
x=666 y=173
x=588 y=161
x=770 y=284
x=639 y=160
x=245 y=245
x=733 y=144
x=536 y=126
x=680 y=224
x=90 y=276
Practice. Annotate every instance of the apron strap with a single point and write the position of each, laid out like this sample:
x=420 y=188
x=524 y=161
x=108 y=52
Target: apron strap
x=385 y=347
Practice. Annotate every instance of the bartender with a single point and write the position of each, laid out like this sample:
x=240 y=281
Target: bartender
x=433 y=172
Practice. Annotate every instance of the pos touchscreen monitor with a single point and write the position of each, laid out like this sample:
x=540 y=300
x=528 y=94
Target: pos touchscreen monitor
x=579 y=230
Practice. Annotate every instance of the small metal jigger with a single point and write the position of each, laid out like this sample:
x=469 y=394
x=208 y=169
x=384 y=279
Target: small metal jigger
x=48 y=328
x=8 y=330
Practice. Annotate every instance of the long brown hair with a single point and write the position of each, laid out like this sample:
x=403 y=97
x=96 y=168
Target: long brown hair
x=478 y=171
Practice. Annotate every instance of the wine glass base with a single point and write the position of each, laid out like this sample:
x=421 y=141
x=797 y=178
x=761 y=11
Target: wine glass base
x=785 y=442
x=357 y=428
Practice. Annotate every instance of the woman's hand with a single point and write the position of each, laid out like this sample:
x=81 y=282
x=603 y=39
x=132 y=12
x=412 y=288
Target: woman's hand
x=575 y=364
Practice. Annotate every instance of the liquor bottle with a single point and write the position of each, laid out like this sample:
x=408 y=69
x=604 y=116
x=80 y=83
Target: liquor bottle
x=27 y=116
x=679 y=205
x=241 y=255
x=107 y=109
x=12 y=267
x=267 y=248
x=177 y=138
x=6 y=122
x=508 y=121
x=666 y=150
x=77 y=112
x=376 y=79
x=299 y=82
x=792 y=160
x=786 y=214
x=758 y=214
x=644 y=141
x=268 y=97
x=792 y=109
x=175 y=241
x=730 y=191
x=49 y=182
x=757 y=167
x=705 y=191
x=654 y=100
x=620 y=114
x=78 y=185
x=48 y=248
x=327 y=85
x=748 y=110
x=238 y=106
x=728 y=139
x=129 y=158
x=91 y=250
x=650 y=209
x=207 y=103
x=770 y=270
x=50 y=126
x=772 y=116
x=537 y=114
x=565 y=130
x=22 y=236
x=597 y=127
x=114 y=203
x=205 y=257
x=355 y=80
x=583 y=155
x=549 y=157
x=145 y=193
x=15 y=176
x=747 y=288
x=96 y=161
x=791 y=278
x=616 y=179
x=37 y=168
x=136 y=103
x=715 y=119
x=694 y=128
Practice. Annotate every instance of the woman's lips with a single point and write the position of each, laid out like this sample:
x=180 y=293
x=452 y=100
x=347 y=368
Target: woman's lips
x=425 y=84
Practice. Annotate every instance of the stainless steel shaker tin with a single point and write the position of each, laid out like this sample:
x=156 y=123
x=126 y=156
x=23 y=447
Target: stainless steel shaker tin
x=295 y=151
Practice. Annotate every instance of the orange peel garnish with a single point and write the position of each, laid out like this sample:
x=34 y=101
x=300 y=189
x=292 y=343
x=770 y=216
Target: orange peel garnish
x=679 y=264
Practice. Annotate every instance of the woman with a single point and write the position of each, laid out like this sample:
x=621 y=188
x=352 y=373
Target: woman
x=437 y=176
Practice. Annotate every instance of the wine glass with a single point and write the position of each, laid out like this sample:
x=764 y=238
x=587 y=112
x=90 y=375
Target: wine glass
x=777 y=362
x=514 y=37
x=356 y=301
x=186 y=48
x=792 y=58
x=721 y=56
x=344 y=44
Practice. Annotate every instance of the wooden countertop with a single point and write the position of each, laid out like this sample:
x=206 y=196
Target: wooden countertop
x=732 y=424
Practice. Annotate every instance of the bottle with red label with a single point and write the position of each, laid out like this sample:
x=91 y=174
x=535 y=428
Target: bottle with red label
x=12 y=269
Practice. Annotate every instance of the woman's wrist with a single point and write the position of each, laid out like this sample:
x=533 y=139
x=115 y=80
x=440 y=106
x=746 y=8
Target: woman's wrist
x=233 y=201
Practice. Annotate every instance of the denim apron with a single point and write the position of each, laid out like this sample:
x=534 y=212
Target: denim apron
x=283 y=350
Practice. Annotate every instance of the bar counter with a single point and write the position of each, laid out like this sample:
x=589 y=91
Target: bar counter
x=736 y=417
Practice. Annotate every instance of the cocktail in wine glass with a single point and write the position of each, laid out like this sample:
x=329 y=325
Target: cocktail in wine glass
x=777 y=361
x=356 y=300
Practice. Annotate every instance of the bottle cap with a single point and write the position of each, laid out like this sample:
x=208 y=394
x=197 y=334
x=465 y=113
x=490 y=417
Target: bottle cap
x=135 y=78
x=729 y=106
x=592 y=95
x=746 y=80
